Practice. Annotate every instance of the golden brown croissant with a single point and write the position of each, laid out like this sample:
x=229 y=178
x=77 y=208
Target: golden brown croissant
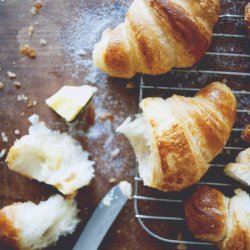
x=213 y=217
x=175 y=139
x=156 y=36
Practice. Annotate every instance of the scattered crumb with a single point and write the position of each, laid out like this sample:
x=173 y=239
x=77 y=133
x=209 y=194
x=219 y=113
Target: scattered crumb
x=90 y=114
x=4 y=137
x=1 y=85
x=2 y=153
x=29 y=103
x=22 y=114
x=43 y=42
x=112 y=180
x=17 y=85
x=115 y=152
x=130 y=85
x=118 y=231
x=17 y=132
x=11 y=75
x=26 y=50
x=22 y=97
x=245 y=135
x=108 y=198
x=181 y=247
x=36 y=8
x=106 y=116
x=82 y=52
x=224 y=80
x=34 y=103
x=36 y=23
x=30 y=30
x=14 y=63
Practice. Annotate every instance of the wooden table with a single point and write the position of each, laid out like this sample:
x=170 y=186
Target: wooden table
x=70 y=28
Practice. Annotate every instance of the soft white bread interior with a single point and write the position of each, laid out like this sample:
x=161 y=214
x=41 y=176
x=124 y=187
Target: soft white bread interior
x=240 y=170
x=137 y=133
x=51 y=157
x=175 y=139
x=36 y=226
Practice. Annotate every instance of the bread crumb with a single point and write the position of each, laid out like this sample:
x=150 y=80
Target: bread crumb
x=4 y=137
x=22 y=114
x=2 y=153
x=245 y=135
x=17 y=132
x=26 y=50
x=30 y=30
x=36 y=8
x=115 y=152
x=81 y=52
x=22 y=97
x=1 y=85
x=43 y=42
x=30 y=103
x=112 y=180
x=130 y=85
x=34 y=103
x=181 y=247
x=106 y=116
x=17 y=85
x=11 y=75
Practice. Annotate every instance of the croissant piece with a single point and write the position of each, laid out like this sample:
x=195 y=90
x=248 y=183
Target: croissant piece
x=240 y=170
x=213 y=217
x=175 y=139
x=156 y=36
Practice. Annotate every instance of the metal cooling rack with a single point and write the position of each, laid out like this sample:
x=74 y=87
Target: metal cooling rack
x=143 y=194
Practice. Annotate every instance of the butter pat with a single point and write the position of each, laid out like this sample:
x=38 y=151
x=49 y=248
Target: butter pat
x=69 y=100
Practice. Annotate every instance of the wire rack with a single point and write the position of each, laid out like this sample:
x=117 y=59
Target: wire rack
x=228 y=60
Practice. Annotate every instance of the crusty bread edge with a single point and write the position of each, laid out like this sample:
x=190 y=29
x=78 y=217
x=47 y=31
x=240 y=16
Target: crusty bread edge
x=9 y=234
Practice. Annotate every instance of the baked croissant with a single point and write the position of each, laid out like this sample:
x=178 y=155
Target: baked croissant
x=240 y=170
x=156 y=36
x=213 y=217
x=175 y=139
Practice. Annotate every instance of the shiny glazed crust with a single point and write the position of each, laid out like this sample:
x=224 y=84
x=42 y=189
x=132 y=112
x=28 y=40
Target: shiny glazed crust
x=192 y=132
x=212 y=217
x=207 y=214
x=156 y=36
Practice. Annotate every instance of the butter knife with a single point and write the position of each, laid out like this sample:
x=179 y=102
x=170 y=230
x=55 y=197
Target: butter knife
x=101 y=220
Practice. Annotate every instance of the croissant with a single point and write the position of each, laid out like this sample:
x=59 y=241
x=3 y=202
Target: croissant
x=213 y=217
x=240 y=170
x=175 y=139
x=156 y=36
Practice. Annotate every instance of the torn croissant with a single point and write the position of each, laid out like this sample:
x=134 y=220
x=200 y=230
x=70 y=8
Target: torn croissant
x=156 y=36
x=240 y=170
x=175 y=139
x=213 y=217
x=36 y=226
x=51 y=157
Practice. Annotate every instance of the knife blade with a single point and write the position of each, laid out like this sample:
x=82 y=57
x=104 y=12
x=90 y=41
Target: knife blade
x=101 y=220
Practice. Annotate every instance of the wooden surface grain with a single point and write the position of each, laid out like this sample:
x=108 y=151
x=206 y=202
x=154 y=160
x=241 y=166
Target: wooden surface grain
x=71 y=28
